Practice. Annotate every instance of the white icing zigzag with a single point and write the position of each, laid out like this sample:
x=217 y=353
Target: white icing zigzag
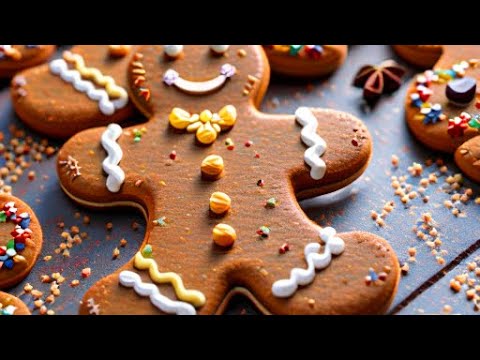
x=317 y=145
x=60 y=67
x=333 y=245
x=131 y=279
x=116 y=176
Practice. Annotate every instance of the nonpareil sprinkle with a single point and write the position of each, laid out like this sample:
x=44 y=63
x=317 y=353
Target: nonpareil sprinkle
x=147 y=251
x=260 y=183
x=263 y=231
x=271 y=203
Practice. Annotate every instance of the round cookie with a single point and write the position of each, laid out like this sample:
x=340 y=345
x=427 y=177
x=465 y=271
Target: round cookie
x=423 y=56
x=467 y=158
x=305 y=60
x=14 y=58
x=45 y=98
x=11 y=305
x=435 y=120
x=20 y=240
x=200 y=104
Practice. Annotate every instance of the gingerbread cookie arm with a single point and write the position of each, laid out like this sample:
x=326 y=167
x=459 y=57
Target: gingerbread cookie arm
x=14 y=58
x=58 y=105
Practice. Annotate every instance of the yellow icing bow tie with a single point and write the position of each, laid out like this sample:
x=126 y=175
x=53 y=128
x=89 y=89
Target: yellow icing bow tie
x=207 y=125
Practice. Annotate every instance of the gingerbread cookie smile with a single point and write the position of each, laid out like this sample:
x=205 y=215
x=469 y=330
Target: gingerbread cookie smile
x=222 y=208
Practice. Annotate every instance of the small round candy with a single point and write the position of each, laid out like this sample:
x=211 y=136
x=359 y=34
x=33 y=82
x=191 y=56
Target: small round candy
x=224 y=235
x=461 y=91
x=173 y=50
x=212 y=166
x=219 y=49
x=220 y=202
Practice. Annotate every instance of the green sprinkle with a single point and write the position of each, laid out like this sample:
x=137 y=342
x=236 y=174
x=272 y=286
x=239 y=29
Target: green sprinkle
x=295 y=49
x=137 y=139
x=11 y=244
x=271 y=203
x=263 y=231
x=147 y=251
x=475 y=122
x=160 y=221
x=3 y=216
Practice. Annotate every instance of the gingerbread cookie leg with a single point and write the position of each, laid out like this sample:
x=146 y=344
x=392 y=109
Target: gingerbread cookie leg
x=85 y=88
x=21 y=240
x=219 y=182
x=306 y=60
x=423 y=56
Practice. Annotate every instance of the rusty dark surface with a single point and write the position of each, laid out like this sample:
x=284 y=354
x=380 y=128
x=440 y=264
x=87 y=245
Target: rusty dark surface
x=424 y=289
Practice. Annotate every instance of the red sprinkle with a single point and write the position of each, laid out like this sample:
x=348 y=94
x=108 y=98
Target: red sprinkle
x=260 y=182
x=231 y=147
x=477 y=105
x=173 y=155
x=284 y=248
x=86 y=272
x=248 y=143
x=257 y=155
x=354 y=142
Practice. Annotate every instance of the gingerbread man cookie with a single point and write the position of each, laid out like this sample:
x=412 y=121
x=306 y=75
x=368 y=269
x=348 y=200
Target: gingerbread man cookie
x=219 y=183
x=14 y=58
x=306 y=60
x=423 y=56
x=20 y=240
x=86 y=87
x=11 y=305
x=443 y=107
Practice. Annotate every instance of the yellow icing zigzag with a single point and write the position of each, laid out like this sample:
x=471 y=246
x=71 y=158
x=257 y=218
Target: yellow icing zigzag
x=112 y=89
x=194 y=297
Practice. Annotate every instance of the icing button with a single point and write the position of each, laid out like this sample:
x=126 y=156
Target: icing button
x=461 y=91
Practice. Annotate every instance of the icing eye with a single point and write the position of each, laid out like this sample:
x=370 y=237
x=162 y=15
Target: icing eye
x=173 y=51
x=219 y=49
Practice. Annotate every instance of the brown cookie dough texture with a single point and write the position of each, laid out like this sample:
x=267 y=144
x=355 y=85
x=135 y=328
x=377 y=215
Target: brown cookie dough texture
x=175 y=196
x=436 y=136
x=301 y=65
x=33 y=244
x=53 y=107
x=423 y=56
x=18 y=57
x=7 y=300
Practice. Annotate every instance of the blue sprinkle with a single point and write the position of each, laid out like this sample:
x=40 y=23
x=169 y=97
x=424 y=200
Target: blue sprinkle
x=3 y=257
x=8 y=264
x=452 y=73
x=19 y=246
x=25 y=223
x=417 y=103
x=373 y=275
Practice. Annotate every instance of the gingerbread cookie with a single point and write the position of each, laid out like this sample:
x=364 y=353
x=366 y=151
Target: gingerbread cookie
x=20 y=240
x=14 y=58
x=423 y=56
x=11 y=305
x=306 y=60
x=219 y=183
x=85 y=88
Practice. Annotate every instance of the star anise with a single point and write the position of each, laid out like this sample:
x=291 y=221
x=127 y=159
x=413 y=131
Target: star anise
x=377 y=80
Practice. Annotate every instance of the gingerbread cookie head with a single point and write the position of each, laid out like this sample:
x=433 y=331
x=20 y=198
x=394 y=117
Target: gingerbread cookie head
x=160 y=79
x=85 y=88
x=20 y=240
x=11 y=305
x=14 y=58
x=306 y=60
x=423 y=56
x=218 y=182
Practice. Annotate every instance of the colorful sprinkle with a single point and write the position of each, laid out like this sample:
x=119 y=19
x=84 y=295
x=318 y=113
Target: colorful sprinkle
x=263 y=231
x=284 y=248
x=147 y=251
x=271 y=203
x=261 y=183
x=229 y=144
x=173 y=155
x=248 y=143
x=160 y=221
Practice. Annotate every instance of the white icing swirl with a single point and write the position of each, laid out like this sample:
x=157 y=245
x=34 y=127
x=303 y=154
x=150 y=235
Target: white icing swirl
x=173 y=50
x=333 y=245
x=131 y=279
x=107 y=107
x=171 y=77
x=116 y=176
x=317 y=145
